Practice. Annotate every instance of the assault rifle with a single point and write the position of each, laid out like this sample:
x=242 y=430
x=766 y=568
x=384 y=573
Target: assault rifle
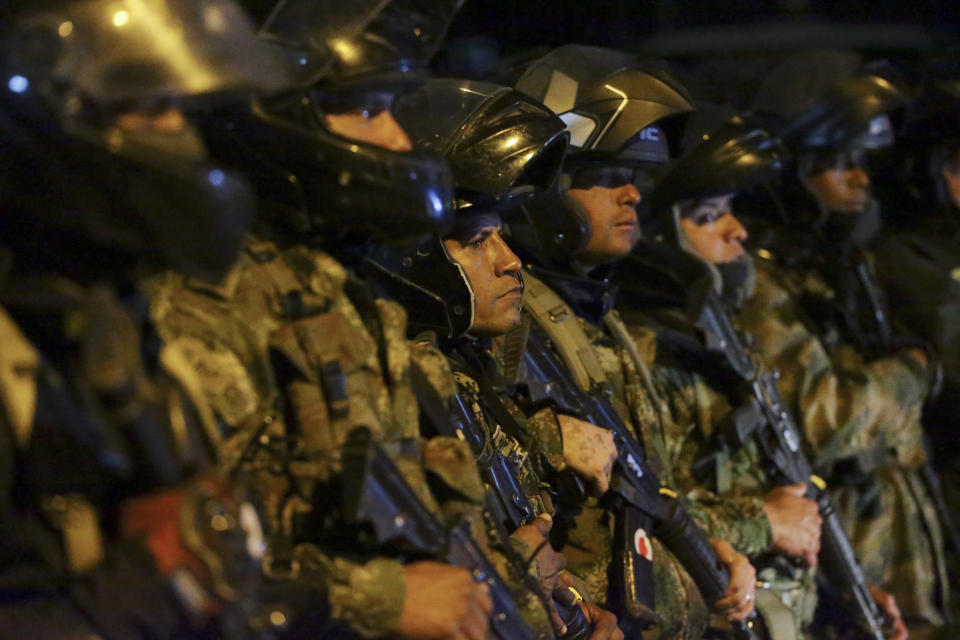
x=765 y=420
x=507 y=502
x=643 y=507
x=375 y=493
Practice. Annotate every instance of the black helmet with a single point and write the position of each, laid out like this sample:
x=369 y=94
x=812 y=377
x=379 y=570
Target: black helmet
x=504 y=148
x=821 y=104
x=308 y=178
x=311 y=181
x=608 y=99
x=70 y=168
x=724 y=152
x=830 y=99
x=620 y=111
x=490 y=135
x=346 y=45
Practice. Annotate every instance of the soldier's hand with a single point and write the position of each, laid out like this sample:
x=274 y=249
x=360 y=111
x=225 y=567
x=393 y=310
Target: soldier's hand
x=548 y=561
x=588 y=450
x=795 y=522
x=888 y=603
x=442 y=602
x=603 y=623
x=737 y=601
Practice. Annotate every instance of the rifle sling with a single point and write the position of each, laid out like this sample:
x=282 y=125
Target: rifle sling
x=493 y=404
x=555 y=317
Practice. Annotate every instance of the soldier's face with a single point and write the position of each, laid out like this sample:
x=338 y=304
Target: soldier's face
x=367 y=119
x=840 y=182
x=494 y=274
x=612 y=209
x=713 y=231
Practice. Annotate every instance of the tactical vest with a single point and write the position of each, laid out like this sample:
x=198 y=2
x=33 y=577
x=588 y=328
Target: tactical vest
x=561 y=324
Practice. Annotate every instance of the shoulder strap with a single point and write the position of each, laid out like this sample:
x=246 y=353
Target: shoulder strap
x=560 y=323
x=619 y=331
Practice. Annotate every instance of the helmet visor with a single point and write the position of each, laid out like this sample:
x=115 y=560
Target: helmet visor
x=130 y=51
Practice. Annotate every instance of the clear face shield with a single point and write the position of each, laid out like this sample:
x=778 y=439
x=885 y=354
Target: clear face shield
x=637 y=163
x=367 y=36
x=133 y=52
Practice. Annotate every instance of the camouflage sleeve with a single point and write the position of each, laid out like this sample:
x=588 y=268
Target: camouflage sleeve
x=365 y=596
x=846 y=406
x=735 y=514
x=546 y=442
x=923 y=293
x=545 y=431
x=452 y=464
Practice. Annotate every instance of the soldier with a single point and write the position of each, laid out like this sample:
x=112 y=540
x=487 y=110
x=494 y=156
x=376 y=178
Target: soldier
x=468 y=122
x=110 y=530
x=620 y=114
x=917 y=259
x=819 y=317
x=297 y=349
x=691 y=216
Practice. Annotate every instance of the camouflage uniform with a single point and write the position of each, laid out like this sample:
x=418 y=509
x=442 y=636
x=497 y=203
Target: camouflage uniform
x=678 y=601
x=728 y=498
x=447 y=384
x=920 y=274
x=862 y=420
x=294 y=353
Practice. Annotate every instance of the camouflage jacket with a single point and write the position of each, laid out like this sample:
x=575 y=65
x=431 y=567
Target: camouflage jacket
x=679 y=603
x=848 y=406
x=728 y=500
x=530 y=461
x=920 y=273
x=864 y=411
x=294 y=353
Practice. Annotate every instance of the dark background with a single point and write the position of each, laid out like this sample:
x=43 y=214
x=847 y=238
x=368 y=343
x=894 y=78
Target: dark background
x=718 y=46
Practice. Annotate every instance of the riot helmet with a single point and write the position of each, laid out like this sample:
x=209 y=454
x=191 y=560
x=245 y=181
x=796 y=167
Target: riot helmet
x=831 y=100
x=831 y=110
x=621 y=113
x=607 y=98
x=352 y=57
x=725 y=152
x=504 y=149
x=351 y=45
x=77 y=166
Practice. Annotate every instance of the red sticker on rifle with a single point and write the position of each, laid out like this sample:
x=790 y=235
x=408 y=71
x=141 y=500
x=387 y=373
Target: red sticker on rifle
x=641 y=542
